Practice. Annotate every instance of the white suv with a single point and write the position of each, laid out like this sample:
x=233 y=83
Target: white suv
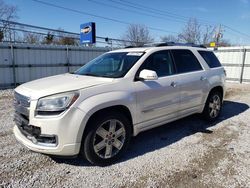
x=95 y=110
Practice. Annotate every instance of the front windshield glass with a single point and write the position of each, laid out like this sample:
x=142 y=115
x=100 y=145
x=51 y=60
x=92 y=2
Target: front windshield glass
x=111 y=65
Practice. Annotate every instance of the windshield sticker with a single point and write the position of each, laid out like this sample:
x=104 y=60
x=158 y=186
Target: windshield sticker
x=135 y=53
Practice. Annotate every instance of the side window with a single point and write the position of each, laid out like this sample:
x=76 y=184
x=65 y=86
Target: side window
x=210 y=58
x=161 y=62
x=186 y=61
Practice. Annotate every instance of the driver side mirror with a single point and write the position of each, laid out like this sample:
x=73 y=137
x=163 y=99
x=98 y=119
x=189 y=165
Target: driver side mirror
x=148 y=75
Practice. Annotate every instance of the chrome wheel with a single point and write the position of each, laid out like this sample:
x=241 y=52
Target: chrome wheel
x=109 y=138
x=214 y=106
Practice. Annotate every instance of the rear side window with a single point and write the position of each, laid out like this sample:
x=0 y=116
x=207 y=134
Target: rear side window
x=186 y=61
x=210 y=58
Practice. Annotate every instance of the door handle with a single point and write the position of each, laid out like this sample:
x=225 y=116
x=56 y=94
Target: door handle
x=203 y=78
x=173 y=84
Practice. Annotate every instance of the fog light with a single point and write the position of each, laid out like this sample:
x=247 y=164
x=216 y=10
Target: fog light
x=47 y=139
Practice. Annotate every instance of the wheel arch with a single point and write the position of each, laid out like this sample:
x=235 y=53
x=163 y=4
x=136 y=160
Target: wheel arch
x=219 y=89
x=124 y=110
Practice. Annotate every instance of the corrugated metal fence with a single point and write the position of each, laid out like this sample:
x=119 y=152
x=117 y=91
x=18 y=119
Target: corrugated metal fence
x=21 y=63
x=236 y=61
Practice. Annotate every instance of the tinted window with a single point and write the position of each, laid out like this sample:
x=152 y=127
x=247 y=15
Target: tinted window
x=160 y=62
x=210 y=58
x=185 y=61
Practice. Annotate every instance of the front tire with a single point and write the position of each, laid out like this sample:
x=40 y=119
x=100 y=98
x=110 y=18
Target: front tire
x=107 y=138
x=213 y=106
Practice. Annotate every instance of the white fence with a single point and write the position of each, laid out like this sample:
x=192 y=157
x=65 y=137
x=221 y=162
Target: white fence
x=236 y=61
x=21 y=63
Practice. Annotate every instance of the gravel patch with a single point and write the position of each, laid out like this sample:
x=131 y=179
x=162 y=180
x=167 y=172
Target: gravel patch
x=186 y=153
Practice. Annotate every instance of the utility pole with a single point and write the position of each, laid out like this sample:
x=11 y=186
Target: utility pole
x=218 y=35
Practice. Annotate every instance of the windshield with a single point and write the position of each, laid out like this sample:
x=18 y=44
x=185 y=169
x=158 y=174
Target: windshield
x=111 y=65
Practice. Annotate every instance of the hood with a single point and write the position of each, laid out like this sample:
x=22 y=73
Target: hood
x=58 y=84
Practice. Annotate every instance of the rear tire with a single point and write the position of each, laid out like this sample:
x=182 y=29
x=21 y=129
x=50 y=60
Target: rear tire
x=107 y=139
x=213 y=106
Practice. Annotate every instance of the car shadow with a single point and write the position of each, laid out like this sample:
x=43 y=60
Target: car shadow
x=168 y=134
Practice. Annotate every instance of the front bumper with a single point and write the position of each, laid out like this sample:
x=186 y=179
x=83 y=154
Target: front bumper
x=63 y=150
x=67 y=129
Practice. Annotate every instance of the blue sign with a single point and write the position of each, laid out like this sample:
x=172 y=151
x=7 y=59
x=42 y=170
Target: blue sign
x=87 y=33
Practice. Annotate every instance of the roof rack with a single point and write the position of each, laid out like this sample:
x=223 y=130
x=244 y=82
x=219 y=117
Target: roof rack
x=179 y=44
x=132 y=46
x=160 y=44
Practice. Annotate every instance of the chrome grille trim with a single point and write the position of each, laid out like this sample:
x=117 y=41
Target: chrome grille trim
x=21 y=100
x=22 y=105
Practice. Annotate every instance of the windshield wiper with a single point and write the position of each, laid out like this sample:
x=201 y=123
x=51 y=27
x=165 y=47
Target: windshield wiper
x=90 y=74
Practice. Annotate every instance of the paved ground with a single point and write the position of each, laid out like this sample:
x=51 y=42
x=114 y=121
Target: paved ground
x=185 y=153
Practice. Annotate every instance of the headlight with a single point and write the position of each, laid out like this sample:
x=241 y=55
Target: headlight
x=56 y=103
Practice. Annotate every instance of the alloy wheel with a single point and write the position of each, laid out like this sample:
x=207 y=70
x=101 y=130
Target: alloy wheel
x=109 y=138
x=214 y=106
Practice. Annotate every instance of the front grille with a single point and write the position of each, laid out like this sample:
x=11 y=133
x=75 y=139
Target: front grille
x=22 y=105
x=22 y=100
x=21 y=118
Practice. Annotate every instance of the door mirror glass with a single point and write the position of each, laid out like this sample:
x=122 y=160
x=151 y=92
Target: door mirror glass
x=148 y=75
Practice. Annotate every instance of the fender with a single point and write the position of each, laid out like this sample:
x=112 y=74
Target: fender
x=95 y=103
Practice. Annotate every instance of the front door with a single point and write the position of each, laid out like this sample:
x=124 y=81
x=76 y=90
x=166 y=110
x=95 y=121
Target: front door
x=157 y=100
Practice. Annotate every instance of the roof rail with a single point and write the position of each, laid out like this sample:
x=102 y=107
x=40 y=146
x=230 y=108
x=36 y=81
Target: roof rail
x=129 y=46
x=134 y=46
x=160 y=44
x=181 y=44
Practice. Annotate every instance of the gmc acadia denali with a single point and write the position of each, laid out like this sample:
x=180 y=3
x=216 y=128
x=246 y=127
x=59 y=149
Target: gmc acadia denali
x=95 y=110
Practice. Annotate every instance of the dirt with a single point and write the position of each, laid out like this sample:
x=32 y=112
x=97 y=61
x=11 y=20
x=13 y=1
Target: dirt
x=186 y=153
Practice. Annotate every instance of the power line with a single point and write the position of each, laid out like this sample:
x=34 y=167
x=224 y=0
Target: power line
x=60 y=36
x=35 y=27
x=144 y=8
x=236 y=31
x=53 y=30
x=148 y=9
x=97 y=16
x=136 y=5
x=35 y=32
x=127 y=23
x=135 y=11
x=161 y=12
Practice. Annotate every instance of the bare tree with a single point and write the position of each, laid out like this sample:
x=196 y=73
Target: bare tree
x=60 y=38
x=31 y=38
x=137 y=35
x=225 y=42
x=49 y=38
x=7 y=13
x=193 y=32
x=208 y=34
x=170 y=38
x=64 y=39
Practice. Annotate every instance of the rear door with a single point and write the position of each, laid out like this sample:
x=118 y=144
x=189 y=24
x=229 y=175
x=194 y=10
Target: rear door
x=193 y=80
